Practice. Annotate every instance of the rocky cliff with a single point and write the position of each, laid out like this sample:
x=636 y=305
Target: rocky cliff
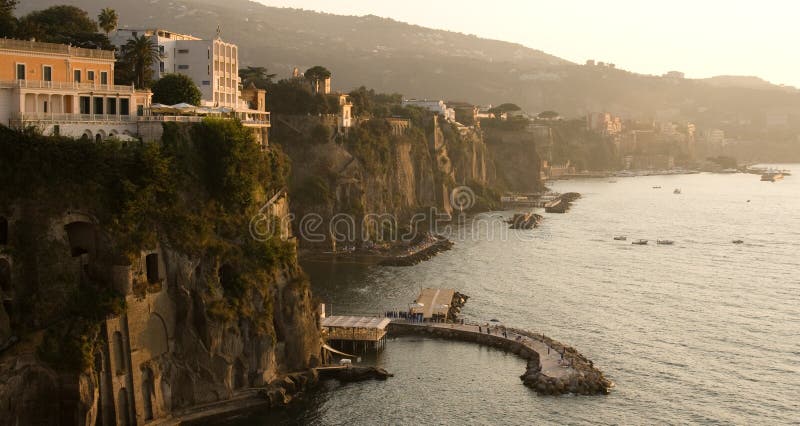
x=381 y=166
x=133 y=286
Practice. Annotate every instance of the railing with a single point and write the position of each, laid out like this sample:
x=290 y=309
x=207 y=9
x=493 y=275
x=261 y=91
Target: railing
x=64 y=85
x=63 y=49
x=83 y=118
x=171 y=118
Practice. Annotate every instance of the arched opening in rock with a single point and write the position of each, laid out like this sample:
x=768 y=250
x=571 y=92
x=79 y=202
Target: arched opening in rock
x=3 y=231
x=227 y=276
x=155 y=336
x=119 y=357
x=98 y=138
x=151 y=262
x=5 y=276
x=124 y=413
x=82 y=238
x=239 y=375
x=148 y=392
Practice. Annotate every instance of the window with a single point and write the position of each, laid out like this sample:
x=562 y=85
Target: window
x=76 y=76
x=90 y=75
x=183 y=67
x=44 y=105
x=112 y=106
x=134 y=34
x=103 y=77
x=125 y=106
x=161 y=66
x=209 y=70
x=98 y=105
x=151 y=262
x=47 y=73
x=140 y=110
x=20 y=71
x=85 y=104
x=183 y=50
x=206 y=83
x=161 y=50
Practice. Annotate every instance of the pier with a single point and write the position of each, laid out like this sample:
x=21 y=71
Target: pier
x=552 y=367
x=354 y=333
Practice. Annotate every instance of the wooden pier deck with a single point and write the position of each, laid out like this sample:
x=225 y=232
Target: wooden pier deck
x=435 y=302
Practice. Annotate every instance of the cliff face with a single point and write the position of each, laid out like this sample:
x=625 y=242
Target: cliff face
x=380 y=166
x=132 y=289
x=518 y=150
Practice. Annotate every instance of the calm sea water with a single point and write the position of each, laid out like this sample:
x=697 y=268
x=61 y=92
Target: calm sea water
x=704 y=331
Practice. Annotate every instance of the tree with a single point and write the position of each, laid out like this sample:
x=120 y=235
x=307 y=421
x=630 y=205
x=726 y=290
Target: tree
x=8 y=23
x=107 y=19
x=138 y=56
x=315 y=75
x=176 y=88
x=64 y=25
x=548 y=115
x=256 y=75
x=506 y=107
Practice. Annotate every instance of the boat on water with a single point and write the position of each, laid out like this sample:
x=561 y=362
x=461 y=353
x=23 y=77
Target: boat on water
x=656 y=187
x=771 y=176
x=665 y=242
x=676 y=191
x=640 y=242
x=738 y=242
x=621 y=238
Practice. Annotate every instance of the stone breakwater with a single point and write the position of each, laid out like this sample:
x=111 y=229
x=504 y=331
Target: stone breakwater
x=426 y=253
x=547 y=372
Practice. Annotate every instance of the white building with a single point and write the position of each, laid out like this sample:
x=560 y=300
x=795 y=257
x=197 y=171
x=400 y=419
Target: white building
x=438 y=107
x=212 y=64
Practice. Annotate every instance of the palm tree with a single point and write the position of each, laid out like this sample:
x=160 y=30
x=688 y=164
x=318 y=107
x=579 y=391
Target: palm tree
x=139 y=54
x=107 y=19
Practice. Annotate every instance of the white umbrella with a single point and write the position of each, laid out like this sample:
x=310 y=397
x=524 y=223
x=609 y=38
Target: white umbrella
x=183 y=106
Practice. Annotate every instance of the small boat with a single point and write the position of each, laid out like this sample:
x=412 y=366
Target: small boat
x=676 y=191
x=640 y=242
x=738 y=242
x=771 y=176
x=621 y=238
x=656 y=187
x=665 y=242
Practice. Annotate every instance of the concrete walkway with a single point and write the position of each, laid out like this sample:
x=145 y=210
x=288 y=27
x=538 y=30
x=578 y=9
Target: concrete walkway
x=549 y=358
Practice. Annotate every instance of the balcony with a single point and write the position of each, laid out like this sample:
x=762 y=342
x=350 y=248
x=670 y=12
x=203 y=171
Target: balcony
x=58 y=85
x=40 y=117
x=56 y=49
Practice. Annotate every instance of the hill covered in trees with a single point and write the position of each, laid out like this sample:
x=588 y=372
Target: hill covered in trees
x=392 y=56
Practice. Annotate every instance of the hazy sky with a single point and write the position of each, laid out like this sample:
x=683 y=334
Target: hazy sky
x=702 y=38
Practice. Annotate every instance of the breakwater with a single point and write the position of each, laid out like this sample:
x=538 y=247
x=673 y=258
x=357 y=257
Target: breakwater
x=552 y=367
x=410 y=259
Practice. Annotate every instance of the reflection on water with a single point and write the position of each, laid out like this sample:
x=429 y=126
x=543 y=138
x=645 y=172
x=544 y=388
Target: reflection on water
x=701 y=331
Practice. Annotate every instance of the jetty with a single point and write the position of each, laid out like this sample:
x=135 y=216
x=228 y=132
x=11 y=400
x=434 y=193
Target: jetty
x=552 y=367
x=417 y=254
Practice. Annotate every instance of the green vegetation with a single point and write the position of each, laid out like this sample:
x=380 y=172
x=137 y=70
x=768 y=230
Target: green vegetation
x=372 y=103
x=176 y=88
x=107 y=20
x=135 y=61
x=62 y=24
x=194 y=193
x=8 y=22
x=507 y=107
x=257 y=76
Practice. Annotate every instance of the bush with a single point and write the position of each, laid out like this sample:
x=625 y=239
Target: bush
x=176 y=88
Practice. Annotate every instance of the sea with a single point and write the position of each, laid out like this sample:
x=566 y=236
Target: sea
x=703 y=331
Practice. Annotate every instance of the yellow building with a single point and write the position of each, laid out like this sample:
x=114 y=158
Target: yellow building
x=66 y=90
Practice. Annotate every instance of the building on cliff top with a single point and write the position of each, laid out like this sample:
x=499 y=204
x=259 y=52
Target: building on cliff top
x=65 y=90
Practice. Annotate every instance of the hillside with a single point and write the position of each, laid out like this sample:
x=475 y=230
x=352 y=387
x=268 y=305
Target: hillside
x=392 y=56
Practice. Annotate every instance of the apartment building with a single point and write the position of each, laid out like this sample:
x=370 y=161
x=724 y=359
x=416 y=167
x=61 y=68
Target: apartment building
x=213 y=65
x=65 y=90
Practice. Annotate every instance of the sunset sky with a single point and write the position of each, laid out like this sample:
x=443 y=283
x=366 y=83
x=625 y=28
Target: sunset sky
x=702 y=38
